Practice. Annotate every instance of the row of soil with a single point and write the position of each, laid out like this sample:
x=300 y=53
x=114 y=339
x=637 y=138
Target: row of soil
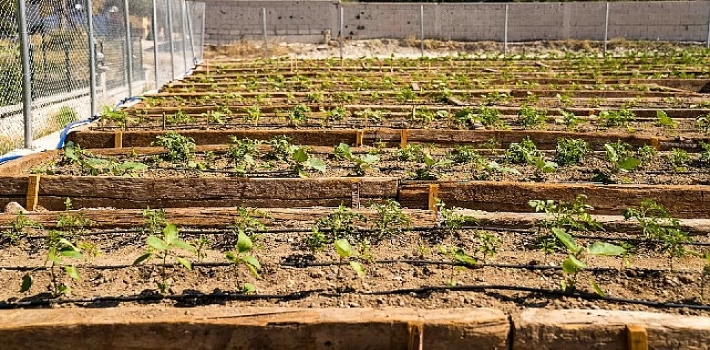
x=296 y=258
x=690 y=123
x=573 y=161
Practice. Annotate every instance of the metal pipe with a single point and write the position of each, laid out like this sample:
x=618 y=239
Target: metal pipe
x=170 y=36
x=129 y=48
x=342 y=29
x=26 y=72
x=505 y=33
x=183 y=14
x=266 y=41
x=606 y=29
x=190 y=32
x=92 y=57
x=155 y=44
x=707 y=44
x=202 y=41
x=421 y=22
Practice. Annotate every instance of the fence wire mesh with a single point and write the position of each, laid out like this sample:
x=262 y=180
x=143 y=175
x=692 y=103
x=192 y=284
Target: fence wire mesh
x=59 y=57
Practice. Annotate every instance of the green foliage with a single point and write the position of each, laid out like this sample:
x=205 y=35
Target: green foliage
x=18 y=229
x=338 y=224
x=620 y=118
x=180 y=118
x=281 y=148
x=662 y=119
x=431 y=167
x=570 y=120
x=465 y=155
x=705 y=153
x=346 y=251
x=574 y=264
x=167 y=245
x=178 y=148
x=241 y=256
x=411 y=153
x=679 y=159
x=153 y=221
x=360 y=163
x=406 y=94
x=118 y=117
x=59 y=248
x=391 y=220
x=571 y=216
x=657 y=225
x=336 y=114
x=449 y=220
x=487 y=244
x=244 y=153
x=703 y=123
x=519 y=152
x=530 y=117
x=571 y=151
x=302 y=162
x=489 y=117
x=458 y=256
x=253 y=115
x=621 y=156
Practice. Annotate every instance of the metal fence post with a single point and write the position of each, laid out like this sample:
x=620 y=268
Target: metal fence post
x=183 y=13
x=421 y=22
x=606 y=28
x=202 y=47
x=170 y=36
x=129 y=48
x=266 y=41
x=155 y=43
x=26 y=73
x=191 y=32
x=505 y=33
x=92 y=57
x=342 y=29
x=707 y=43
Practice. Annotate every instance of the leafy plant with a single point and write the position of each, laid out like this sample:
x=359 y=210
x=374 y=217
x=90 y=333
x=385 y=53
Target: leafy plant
x=18 y=229
x=406 y=94
x=662 y=119
x=346 y=251
x=574 y=264
x=178 y=148
x=59 y=248
x=621 y=156
x=338 y=224
x=571 y=151
x=244 y=153
x=679 y=159
x=489 y=117
x=488 y=244
x=571 y=216
x=458 y=256
x=302 y=162
x=620 y=118
x=391 y=220
x=180 y=118
x=336 y=114
x=705 y=153
x=118 y=117
x=531 y=118
x=298 y=114
x=411 y=153
x=360 y=163
x=570 y=120
x=703 y=123
x=167 y=245
x=449 y=220
x=241 y=256
x=281 y=148
x=465 y=155
x=519 y=152
x=253 y=115
x=431 y=167
x=153 y=220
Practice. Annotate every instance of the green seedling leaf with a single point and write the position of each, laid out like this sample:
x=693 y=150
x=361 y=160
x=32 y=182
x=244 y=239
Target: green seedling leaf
x=598 y=289
x=606 y=249
x=180 y=244
x=572 y=265
x=248 y=288
x=70 y=253
x=26 y=283
x=300 y=155
x=343 y=247
x=156 y=243
x=358 y=268
x=72 y=272
x=184 y=262
x=317 y=164
x=370 y=158
x=244 y=243
x=628 y=164
x=566 y=239
x=171 y=233
x=143 y=258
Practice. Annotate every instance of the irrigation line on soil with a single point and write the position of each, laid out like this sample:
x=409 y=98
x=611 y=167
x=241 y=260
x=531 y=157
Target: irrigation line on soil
x=306 y=264
x=223 y=297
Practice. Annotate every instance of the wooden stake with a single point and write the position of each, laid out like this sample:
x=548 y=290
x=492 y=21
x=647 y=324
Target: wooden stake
x=637 y=337
x=433 y=196
x=118 y=140
x=355 y=194
x=416 y=335
x=358 y=138
x=655 y=143
x=403 y=138
x=32 y=192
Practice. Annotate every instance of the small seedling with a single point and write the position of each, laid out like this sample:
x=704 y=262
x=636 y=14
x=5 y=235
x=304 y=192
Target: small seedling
x=167 y=245
x=360 y=163
x=391 y=220
x=458 y=257
x=178 y=148
x=531 y=118
x=663 y=120
x=59 y=248
x=571 y=151
x=430 y=169
x=346 y=251
x=241 y=256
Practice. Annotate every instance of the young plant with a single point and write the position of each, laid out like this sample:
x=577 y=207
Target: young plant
x=167 y=245
x=613 y=119
x=391 y=220
x=411 y=153
x=18 y=229
x=531 y=118
x=488 y=244
x=574 y=264
x=244 y=153
x=298 y=114
x=338 y=224
x=346 y=251
x=153 y=221
x=703 y=123
x=449 y=221
x=489 y=117
x=253 y=115
x=571 y=216
x=180 y=118
x=679 y=159
x=241 y=256
x=621 y=156
x=705 y=153
x=302 y=162
x=571 y=151
x=663 y=120
x=570 y=120
x=178 y=148
x=465 y=155
x=459 y=259
x=59 y=248
x=360 y=163
x=430 y=169
x=118 y=117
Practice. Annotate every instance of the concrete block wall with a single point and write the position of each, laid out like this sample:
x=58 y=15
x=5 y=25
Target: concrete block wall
x=233 y=20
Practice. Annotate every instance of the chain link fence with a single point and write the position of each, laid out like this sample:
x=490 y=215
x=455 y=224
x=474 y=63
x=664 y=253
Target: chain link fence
x=162 y=48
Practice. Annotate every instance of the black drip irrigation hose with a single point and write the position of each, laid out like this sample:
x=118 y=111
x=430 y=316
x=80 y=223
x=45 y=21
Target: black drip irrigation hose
x=413 y=262
x=423 y=291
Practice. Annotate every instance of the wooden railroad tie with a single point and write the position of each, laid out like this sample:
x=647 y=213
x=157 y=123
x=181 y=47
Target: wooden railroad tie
x=636 y=337
x=32 y=192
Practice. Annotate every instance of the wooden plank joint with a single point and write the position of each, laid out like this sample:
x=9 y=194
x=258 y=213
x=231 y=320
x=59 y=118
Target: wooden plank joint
x=118 y=140
x=403 y=138
x=416 y=335
x=637 y=337
x=355 y=194
x=32 y=192
x=655 y=143
x=359 y=136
